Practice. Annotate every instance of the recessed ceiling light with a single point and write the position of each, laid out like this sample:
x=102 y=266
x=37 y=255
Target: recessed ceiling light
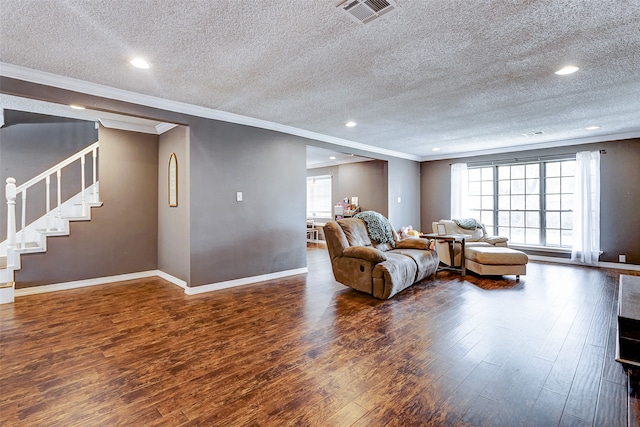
x=569 y=69
x=592 y=127
x=332 y=158
x=76 y=107
x=435 y=149
x=350 y=124
x=140 y=63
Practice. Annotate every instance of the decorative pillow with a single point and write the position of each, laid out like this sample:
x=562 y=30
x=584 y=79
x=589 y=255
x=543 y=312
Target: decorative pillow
x=415 y=243
x=494 y=239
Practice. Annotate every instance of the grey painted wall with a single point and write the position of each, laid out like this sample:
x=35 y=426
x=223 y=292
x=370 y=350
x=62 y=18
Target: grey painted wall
x=262 y=234
x=404 y=182
x=173 y=222
x=620 y=193
x=122 y=235
x=31 y=143
x=366 y=180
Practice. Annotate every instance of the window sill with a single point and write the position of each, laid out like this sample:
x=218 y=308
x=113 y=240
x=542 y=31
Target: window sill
x=552 y=249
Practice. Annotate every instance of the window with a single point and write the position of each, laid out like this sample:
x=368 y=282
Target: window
x=319 y=196
x=530 y=203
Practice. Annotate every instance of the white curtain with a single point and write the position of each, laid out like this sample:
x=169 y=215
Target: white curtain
x=459 y=191
x=586 y=208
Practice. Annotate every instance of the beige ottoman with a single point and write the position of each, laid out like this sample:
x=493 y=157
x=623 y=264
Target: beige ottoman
x=496 y=260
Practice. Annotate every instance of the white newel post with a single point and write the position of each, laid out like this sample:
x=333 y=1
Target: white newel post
x=10 y=192
x=7 y=289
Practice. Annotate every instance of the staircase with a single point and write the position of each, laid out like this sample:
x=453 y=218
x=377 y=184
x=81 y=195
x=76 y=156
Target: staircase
x=32 y=238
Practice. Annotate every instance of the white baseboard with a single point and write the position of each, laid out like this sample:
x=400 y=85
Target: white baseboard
x=172 y=279
x=243 y=281
x=615 y=265
x=84 y=283
x=152 y=273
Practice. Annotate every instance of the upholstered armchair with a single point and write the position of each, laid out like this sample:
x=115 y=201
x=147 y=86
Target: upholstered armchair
x=479 y=237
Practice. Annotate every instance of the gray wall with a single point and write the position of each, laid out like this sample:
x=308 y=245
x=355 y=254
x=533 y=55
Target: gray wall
x=30 y=144
x=262 y=234
x=122 y=235
x=173 y=222
x=404 y=182
x=620 y=193
x=366 y=180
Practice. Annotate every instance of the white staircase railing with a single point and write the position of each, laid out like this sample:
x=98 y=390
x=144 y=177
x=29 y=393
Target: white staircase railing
x=12 y=192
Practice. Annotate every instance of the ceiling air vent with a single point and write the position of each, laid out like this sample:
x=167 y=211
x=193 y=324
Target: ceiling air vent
x=365 y=11
x=536 y=133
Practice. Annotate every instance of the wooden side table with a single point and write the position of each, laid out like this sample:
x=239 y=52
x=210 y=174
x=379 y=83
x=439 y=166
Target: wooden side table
x=452 y=239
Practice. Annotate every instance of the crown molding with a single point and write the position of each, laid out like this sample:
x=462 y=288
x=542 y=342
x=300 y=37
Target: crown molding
x=164 y=127
x=133 y=127
x=95 y=89
x=539 y=146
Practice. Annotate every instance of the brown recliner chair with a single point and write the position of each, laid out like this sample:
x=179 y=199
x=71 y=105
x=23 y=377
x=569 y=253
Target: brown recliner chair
x=376 y=268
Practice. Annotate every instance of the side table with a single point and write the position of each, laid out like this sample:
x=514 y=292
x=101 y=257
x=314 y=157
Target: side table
x=628 y=344
x=452 y=239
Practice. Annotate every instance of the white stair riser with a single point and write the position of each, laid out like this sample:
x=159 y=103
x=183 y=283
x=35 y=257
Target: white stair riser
x=33 y=238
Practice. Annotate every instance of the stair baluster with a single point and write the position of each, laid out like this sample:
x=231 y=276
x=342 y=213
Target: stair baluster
x=10 y=192
x=95 y=170
x=24 y=216
x=82 y=188
x=48 y=201
x=59 y=216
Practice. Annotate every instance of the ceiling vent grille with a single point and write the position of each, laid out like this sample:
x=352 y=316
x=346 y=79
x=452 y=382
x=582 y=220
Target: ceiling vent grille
x=536 y=133
x=365 y=11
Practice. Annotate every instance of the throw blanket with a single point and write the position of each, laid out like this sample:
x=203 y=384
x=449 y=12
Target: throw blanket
x=470 y=224
x=378 y=226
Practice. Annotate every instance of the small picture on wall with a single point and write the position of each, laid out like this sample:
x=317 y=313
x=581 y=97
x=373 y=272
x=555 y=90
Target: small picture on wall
x=442 y=230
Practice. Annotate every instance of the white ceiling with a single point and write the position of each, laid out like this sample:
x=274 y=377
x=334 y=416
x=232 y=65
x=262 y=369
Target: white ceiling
x=321 y=157
x=464 y=76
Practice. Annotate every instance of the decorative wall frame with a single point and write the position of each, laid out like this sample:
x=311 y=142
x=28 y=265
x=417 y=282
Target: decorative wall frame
x=173 y=180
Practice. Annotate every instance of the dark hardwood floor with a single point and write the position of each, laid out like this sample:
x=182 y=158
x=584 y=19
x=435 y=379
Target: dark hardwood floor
x=308 y=351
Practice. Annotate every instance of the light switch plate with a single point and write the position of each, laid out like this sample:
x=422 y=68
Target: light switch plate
x=239 y=196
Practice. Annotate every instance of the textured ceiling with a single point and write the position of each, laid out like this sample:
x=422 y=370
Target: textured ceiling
x=462 y=76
